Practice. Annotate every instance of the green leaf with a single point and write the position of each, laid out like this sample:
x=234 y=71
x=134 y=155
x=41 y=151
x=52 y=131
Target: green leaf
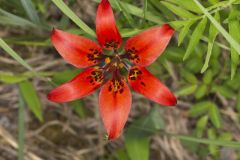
x=238 y=102
x=201 y=91
x=228 y=37
x=185 y=30
x=178 y=10
x=13 y=54
x=200 y=108
x=30 y=96
x=224 y=91
x=212 y=136
x=201 y=125
x=197 y=34
x=208 y=77
x=174 y=54
x=31 y=11
x=187 y=4
x=70 y=14
x=64 y=76
x=138 y=135
x=189 y=77
x=186 y=90
x=213 y=32
x=8 y=77
x=78 y=107
x=226 y=136
x=234 y=25
x=214 y=116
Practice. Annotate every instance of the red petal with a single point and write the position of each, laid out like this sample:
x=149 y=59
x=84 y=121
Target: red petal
x=143 y=82
x=107 y=32
x=77 y=50
x=115 y=104
x=144 y=48
x=82 y=85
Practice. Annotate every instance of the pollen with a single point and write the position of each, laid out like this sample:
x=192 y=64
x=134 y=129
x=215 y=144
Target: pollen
x=107 y=60
x=121 y=65
x=134 y=74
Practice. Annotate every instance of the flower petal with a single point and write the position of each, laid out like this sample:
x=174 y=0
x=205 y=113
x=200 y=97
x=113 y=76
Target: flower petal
x=143 y=82
x=77 y=50
x=82 y=85
x=115 y=102
x=107 y=31
x=144 y=48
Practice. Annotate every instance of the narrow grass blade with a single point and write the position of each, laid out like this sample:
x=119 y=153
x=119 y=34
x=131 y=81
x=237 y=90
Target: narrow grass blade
x=7 y=18
x=213 y=32
x=234 y=30
x=125 y=12
x=184 y=31
x=178 y=10
x=21 y=128
x=70 y=14
x=230 y=144
x=228 y=37
x=31 y=98
x=13 y=54
x=31 y=11
x=196 y=36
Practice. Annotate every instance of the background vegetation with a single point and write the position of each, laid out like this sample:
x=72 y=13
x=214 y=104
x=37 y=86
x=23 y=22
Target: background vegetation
x=201 y=66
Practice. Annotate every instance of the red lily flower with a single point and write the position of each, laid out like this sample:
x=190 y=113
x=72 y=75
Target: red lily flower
x=108 y=70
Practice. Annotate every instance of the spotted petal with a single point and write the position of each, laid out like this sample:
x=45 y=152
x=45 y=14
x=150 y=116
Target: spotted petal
x=144 y=48
x=106 y=28
x=82 y=85
x=115 y=102
x=77 y=50
x=143 y=82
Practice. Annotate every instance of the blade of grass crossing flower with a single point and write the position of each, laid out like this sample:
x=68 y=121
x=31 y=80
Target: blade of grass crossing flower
x=69 y=13
x=31 y=98
x=197 y=34
x=125 y=12
x=234 y=30
x=213 y=32
x=184 y=31
x=21 y=128
x=31 y=11
x=228 y=37
x=13 y=54
x=178 y=10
